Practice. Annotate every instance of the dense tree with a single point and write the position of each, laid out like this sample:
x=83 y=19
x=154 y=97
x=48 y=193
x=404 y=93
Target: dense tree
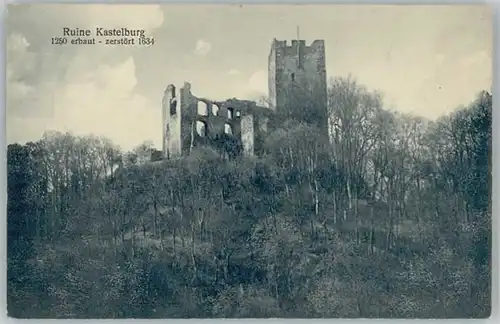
x=390 y=217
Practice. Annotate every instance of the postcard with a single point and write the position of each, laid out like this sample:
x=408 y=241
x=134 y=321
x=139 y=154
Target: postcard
x=249 y=161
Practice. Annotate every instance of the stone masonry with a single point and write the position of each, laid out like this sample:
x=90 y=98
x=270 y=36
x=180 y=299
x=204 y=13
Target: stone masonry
x=298 y=81
x=189 y=120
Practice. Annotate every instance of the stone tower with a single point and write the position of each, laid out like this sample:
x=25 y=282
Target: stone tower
x=298 y=82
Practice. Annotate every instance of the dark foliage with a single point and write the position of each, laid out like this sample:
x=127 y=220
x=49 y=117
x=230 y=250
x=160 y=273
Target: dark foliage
x=390 y=219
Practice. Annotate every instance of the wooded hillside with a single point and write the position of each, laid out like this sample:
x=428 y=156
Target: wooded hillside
x=390 y=219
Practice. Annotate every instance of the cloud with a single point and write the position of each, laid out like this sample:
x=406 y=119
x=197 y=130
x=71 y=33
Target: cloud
x=109 y=105
x=258 y=82
x=440 y=58
x=102 y=102
x=202 y=47
x=21 y=64
x=78 y=89
x=233 y=72
x=477 y=60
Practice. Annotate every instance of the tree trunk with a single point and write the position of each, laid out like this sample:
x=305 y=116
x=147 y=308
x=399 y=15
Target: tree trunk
x=334 y=207
x=349 y=196
x=155 y=217
x=312 y=231
x=372 y=230
x=202 y=225
x=316 y=197
x=162 y=243
x=418 y=199
x=174 y=234
x=193 y=260
x=357 y=219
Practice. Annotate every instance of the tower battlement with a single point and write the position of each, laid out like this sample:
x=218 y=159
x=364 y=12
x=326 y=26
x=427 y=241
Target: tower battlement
x=315 y=44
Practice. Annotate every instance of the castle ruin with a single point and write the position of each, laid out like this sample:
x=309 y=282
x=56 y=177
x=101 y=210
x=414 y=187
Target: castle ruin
x=297 y=89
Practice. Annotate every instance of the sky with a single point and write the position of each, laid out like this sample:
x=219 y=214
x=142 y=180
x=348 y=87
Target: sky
x=425 y=60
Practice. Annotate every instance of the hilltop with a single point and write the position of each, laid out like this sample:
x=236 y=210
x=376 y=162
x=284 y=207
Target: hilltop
x=391 y=218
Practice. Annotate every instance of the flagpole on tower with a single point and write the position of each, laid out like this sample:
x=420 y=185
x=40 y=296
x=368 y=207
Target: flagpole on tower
x=299 y=61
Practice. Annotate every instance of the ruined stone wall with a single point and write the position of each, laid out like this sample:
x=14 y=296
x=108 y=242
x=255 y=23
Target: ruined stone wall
x=172 y=115
x=272 y=78
x=263 y=124
x=247 y=134
x=200 y=121
x=188 y=108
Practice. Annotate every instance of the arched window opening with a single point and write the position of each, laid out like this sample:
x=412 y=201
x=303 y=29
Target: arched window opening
x=215 y=109
x=201 y=128
x=228 y=129
x=230 y=113
x=171 y=90
x=173 y=106
x=238 y=114
x=202 y=108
